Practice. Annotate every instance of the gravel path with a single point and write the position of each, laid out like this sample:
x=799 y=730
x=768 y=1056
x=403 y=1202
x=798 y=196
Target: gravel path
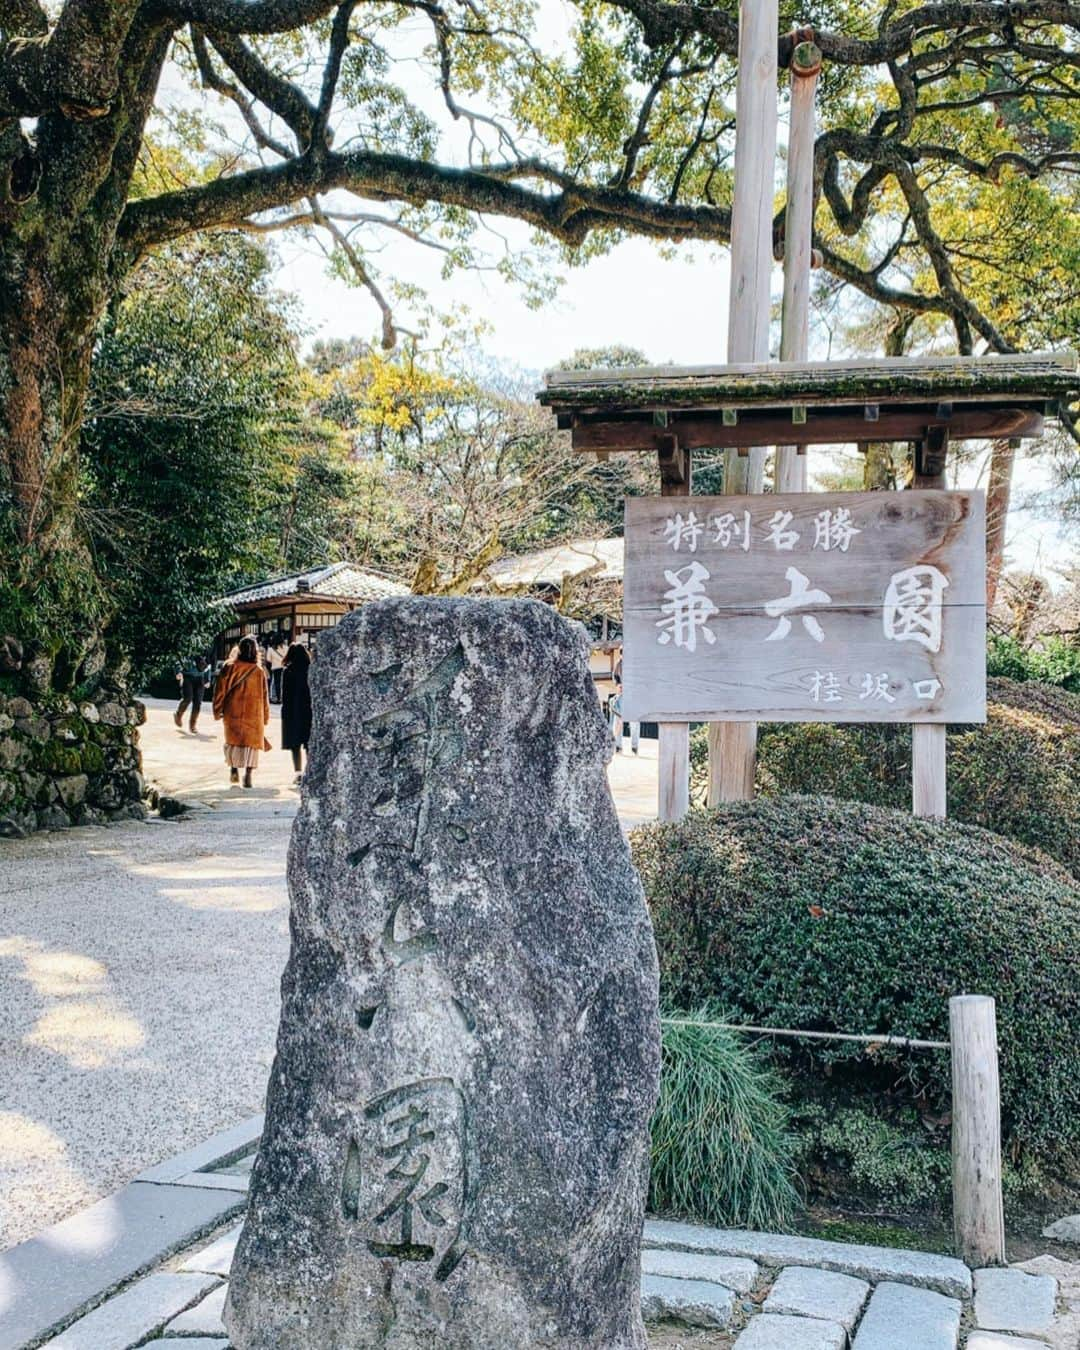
x=139 y=972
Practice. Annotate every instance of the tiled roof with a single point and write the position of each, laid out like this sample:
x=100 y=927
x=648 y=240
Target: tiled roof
x=337 y=581
x=549 y=566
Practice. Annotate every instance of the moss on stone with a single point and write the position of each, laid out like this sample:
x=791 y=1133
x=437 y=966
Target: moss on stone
x=56 y=758
x=91 y=759
x=71 y=729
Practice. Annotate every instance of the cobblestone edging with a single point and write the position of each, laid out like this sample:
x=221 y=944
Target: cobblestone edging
x=135 y=1270
x=58 y=1276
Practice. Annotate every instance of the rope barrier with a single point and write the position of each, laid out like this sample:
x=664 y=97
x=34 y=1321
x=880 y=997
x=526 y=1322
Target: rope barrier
x=905 y=1042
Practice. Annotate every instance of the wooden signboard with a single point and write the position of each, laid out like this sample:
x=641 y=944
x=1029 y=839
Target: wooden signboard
x=831 y=607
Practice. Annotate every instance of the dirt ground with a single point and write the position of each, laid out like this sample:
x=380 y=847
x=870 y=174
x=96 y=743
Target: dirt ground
x=191 y=767
x=683 y=1338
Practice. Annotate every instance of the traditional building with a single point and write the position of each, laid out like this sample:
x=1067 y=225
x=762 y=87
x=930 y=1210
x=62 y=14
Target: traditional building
x=299 y=606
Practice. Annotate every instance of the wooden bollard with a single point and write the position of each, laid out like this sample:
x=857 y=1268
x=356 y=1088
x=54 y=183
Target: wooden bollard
x=978 y=1212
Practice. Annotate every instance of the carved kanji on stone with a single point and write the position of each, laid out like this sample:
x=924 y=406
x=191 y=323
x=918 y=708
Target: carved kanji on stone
x=456 y=1144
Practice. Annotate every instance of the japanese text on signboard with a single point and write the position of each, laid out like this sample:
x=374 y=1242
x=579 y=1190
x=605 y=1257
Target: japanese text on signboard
x=852 y=606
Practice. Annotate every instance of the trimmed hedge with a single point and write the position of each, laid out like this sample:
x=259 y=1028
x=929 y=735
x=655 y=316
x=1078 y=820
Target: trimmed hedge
x=1019 y=775
x=828 y=915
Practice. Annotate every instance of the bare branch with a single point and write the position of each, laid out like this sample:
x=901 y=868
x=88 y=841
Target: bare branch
x=279 y=95
x=341 y=239
x=212 y=80
x=990 y=170
x=568 y=215
x=663 y=22
x=339 y=40
x=637 y=140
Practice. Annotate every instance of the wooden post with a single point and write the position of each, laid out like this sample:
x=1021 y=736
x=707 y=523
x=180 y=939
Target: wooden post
x=798 y=239
x=752 y=211
x=732 y=745
x=732 y=761
x=978 y=1213
x=929 y=771
x=673 y=747
x=674 y=771
x=929 y=791
x=1002 y=460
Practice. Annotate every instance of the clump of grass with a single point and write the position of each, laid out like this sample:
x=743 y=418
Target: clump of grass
x=722 y=1149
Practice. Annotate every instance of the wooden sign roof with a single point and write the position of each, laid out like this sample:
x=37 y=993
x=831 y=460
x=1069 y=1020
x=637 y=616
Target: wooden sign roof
x=813 y=402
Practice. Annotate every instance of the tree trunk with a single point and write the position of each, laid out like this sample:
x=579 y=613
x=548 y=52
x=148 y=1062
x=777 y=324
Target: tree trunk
x=62 y=195
x=999 y=489
x=1024 y=600
x=879 y=471
x=879 y=467
x=44 y=367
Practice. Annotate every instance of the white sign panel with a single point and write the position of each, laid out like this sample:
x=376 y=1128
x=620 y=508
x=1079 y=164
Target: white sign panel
x=834 y=607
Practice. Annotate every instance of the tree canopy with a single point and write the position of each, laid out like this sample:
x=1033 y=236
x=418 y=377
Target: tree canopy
x=212 y=457
x=946 y=161
x=193 y=413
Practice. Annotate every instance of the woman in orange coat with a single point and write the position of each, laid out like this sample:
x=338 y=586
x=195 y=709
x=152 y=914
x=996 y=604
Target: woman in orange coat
x=242 y=700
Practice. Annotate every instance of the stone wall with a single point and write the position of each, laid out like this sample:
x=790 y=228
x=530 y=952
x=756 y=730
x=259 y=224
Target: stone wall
x=66 y=763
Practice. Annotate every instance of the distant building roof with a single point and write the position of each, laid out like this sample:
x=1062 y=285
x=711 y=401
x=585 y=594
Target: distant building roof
x=334 y=581
x=549 y=566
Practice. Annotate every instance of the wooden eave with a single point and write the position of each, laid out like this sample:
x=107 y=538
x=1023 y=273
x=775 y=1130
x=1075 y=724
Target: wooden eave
x=297 y=598
x=810 y=403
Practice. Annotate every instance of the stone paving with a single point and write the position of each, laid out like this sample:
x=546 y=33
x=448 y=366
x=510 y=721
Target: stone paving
x=797 y=1308
x=702 y=1288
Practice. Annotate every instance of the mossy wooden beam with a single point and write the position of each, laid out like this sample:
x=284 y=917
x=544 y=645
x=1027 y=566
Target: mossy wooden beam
x=705 y=428
x=887 y=383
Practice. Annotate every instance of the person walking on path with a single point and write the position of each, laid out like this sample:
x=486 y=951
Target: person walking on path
x=295 y=704
x=193 y=674
x=242 y=701
x=618 y=722
x=274 y=664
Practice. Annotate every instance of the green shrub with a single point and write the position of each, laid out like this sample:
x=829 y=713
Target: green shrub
x=1018 y=775
x=1054 y=661
x=869 y=1151
x=819 y=914
x=895 y=1162
x=870 y=763
x=722 y=1151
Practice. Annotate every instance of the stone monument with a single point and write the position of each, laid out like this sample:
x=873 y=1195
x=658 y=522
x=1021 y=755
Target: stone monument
x=456 y=1144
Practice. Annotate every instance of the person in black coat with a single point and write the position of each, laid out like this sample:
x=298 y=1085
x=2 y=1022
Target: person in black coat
x=295 y=704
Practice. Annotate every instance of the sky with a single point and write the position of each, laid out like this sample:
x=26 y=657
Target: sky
x=672 y=310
